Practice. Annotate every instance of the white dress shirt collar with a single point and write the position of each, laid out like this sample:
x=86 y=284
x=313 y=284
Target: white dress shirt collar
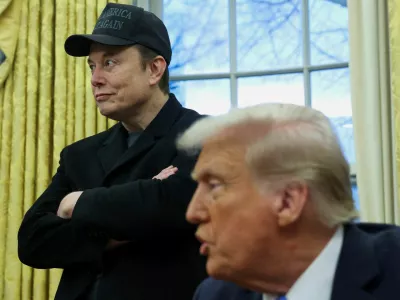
x=317 y=280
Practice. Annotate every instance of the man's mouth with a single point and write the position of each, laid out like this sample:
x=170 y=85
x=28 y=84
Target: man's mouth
x=204 y=249
x=102 y=96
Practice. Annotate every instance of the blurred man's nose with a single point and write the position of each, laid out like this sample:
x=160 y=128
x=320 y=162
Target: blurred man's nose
x=197 y=211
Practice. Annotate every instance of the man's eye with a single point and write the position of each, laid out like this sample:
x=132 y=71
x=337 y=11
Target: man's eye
x=109 y=63
x=91 y=67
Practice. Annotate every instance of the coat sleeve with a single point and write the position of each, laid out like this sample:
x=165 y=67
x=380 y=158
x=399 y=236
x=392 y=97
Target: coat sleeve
x=142 y=209
x=48 y=241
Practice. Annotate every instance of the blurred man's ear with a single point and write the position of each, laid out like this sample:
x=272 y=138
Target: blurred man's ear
x=289 y=203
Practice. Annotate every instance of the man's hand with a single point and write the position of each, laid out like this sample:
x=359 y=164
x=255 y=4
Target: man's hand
x=67 y=205
x=164 y=174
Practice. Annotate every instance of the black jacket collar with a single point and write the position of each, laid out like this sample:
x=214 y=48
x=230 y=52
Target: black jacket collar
x=114 y=153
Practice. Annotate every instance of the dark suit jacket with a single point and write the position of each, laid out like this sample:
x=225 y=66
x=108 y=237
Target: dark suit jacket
x=368 y=268
x=120 y=201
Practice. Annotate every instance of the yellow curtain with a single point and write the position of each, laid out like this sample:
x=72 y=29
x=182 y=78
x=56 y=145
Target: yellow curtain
x=45 y=104
x=394 y=41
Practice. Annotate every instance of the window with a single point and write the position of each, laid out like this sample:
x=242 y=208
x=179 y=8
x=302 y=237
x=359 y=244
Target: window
x=234 y=53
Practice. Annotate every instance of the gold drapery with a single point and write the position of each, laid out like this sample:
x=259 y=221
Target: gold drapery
x=45 y=104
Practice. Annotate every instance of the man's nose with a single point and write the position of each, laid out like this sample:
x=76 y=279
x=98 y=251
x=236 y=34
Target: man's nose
x=197 y=211
x=97 y=77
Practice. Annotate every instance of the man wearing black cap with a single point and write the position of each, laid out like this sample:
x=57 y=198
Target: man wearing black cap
x=116 y=227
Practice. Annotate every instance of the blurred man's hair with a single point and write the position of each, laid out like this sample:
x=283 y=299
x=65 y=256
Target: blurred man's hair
x=292 y=144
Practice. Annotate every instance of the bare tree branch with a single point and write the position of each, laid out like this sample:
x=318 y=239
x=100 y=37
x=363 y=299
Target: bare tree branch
x=263 y=18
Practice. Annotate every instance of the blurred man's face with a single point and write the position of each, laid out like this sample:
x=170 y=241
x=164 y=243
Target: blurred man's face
x=236 y=222
x=119 y=82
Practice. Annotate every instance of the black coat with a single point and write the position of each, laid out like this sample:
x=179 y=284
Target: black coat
x=120 y=201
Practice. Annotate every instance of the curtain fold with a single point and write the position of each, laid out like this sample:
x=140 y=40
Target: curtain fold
x=372 y=110
x=5 y=203
x=16 y=142
x=394 y=39
x=45 y=104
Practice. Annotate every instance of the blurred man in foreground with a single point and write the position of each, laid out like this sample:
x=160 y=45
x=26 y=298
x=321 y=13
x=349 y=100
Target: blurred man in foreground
x=274 y=210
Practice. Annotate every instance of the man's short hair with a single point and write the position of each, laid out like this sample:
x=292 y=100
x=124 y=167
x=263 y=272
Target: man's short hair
x=296 y=144
x=148 y=55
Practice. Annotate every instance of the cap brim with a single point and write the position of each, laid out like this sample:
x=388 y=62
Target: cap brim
x=79 y=44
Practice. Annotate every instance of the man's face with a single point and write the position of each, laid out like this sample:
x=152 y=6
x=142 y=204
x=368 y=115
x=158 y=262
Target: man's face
x=119 y=83
x=236 y=221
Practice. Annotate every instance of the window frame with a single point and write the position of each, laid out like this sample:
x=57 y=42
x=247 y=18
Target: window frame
x=156 y=6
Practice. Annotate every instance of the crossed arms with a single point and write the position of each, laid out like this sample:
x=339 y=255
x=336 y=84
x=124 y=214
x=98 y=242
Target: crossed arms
x=63 y=229
x=67 y=205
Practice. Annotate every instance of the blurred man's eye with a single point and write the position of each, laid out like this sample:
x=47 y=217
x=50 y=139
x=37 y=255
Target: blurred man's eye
x=214 y=184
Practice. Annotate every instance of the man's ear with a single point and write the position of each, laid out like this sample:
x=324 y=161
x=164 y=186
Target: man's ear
x=289 y=203
x=157 y=68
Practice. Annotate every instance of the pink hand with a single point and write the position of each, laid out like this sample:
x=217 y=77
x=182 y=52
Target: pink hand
x=164 y=174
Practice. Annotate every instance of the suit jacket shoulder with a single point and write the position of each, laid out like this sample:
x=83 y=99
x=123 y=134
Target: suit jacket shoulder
x=213 y=289
x=369 y=263
x=94 y=139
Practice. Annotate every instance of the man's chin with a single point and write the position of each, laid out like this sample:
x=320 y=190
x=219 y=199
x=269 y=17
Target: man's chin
x=108 y=113
x=217 y=270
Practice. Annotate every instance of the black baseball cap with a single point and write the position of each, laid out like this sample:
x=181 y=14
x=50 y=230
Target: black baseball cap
x=123 y=25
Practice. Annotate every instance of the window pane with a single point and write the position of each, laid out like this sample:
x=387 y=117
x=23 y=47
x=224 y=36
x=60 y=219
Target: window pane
x=210 y=97
x=199 y=36
x=331 y=95
x=328 y=31
x=287 y=88
x=269 y=34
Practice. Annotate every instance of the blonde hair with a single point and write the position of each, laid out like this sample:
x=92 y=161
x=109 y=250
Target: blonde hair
x=298 y=145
